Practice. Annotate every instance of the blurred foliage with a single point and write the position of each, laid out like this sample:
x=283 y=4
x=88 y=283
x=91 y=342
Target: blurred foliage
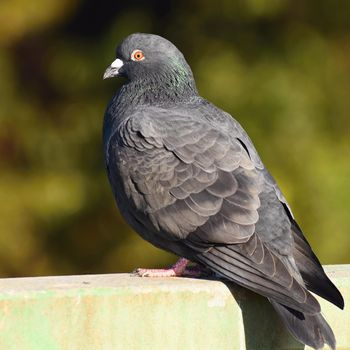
x=282 y=67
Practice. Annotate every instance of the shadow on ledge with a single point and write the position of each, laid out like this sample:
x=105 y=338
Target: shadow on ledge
x=262 y=327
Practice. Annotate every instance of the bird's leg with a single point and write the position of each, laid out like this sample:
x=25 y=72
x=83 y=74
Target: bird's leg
x=176 y=270
x=180 y=268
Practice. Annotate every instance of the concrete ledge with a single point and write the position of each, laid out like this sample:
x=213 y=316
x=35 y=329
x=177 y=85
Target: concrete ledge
x=121 y=311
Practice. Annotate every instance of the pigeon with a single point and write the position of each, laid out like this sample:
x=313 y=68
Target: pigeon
x=188 y=179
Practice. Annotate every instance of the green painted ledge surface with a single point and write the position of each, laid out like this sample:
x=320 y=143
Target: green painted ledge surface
x=121 y=311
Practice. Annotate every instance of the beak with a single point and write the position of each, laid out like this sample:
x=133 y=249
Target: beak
x=113 y=69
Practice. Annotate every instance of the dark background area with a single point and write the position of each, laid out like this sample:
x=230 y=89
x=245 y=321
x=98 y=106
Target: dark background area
x=282 y=68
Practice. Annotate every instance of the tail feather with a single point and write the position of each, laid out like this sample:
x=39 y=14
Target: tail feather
x=312 y=330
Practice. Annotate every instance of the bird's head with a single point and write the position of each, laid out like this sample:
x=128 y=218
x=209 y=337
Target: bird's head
x=148 y=58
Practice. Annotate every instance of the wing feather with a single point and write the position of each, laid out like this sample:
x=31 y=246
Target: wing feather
x=195 y=186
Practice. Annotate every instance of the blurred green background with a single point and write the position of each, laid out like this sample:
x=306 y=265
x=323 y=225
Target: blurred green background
x=282 y=67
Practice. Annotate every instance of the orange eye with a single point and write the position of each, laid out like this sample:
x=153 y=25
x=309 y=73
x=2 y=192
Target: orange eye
x=137 y=55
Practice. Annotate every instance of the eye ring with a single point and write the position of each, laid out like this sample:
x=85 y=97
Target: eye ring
x=137 y=55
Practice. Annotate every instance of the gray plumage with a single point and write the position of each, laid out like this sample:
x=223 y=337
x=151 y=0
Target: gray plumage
x=188 y=179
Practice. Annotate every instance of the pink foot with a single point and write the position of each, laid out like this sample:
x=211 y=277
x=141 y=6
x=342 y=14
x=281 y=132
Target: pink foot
x=176 y=270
